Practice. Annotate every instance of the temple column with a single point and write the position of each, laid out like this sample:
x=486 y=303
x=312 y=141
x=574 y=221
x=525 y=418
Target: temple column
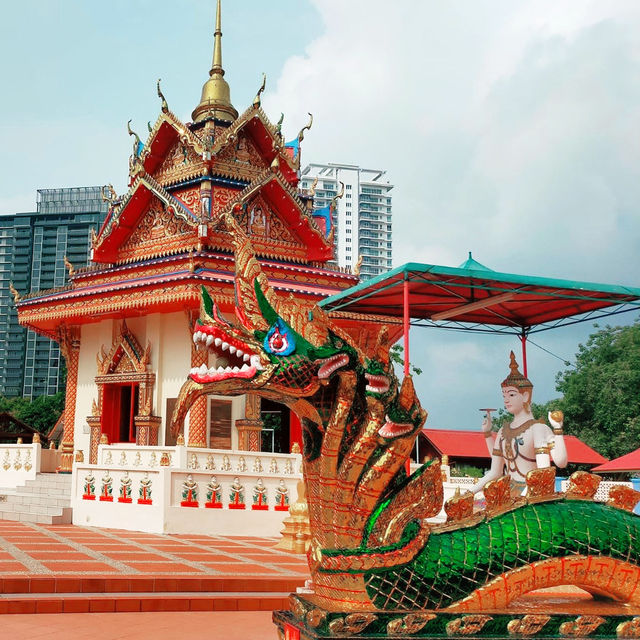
x=94 y=422
x=146 y=424
x=198 y=411
x=250 y=428
x=70 y=349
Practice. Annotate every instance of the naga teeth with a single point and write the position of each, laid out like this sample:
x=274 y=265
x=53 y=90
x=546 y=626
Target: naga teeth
x=235 y=370
x=239 y=353
x=218 y=342
x=225 y=346
x=245 y=367
x=212 y=370
x=232 y=349
x=196 y=337
x=209 y=340
x=246 y=357
x=194 y=371
x=255 y=362
x=203 y=369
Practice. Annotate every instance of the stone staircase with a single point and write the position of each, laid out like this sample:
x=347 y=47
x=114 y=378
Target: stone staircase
x=45 y=500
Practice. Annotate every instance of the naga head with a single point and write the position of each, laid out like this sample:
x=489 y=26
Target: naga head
x=276 y=347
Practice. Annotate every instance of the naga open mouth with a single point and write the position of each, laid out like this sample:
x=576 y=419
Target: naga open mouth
x=329 y=365
x=377 y=383
x=392 y=429
x=237 y=358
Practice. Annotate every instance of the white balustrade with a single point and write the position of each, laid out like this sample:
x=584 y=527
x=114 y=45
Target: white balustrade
x=203 y=490
x=18 y=463
x=181 y=457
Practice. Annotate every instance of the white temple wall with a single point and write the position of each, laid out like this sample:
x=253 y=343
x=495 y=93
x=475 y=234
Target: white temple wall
x=92 y=337
x=170 y=360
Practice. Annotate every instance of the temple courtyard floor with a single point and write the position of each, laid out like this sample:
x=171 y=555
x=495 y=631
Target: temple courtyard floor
x=123 y=584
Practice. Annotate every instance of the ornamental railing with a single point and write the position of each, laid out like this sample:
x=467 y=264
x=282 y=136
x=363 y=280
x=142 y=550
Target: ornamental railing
x=169 y=499
x=197 y=459
x=19 y=463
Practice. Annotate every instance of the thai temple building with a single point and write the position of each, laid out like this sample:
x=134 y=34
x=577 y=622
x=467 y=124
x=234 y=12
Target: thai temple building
x=124 y=324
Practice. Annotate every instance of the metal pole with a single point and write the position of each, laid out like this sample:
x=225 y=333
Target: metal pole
x=523 y=339
x=405 y=326
x=405 y=323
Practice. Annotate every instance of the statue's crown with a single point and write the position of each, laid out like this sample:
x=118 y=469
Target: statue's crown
x=515 y=378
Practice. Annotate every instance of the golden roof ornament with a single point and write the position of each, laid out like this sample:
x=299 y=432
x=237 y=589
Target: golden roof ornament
x=279 y=125
x=165 y=105
x=108 y=194
x=256 y=100
x=215 y=101
x=358 y=265
x=70 y=268
x=312 y=189
x=137 y=143
x=338 y=196
x=14 y=292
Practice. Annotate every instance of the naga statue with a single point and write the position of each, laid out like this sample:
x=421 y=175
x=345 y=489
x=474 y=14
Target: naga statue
x=372 y=552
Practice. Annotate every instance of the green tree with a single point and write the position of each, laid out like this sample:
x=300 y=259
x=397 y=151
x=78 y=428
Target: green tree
x=601 y=394
x=396 y=353
x=41 y=413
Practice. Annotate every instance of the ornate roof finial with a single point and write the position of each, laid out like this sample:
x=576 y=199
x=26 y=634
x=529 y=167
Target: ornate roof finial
x=257 y=100
x=14 y=292
x=216 y=96
x=279 y=125
x=165 y=106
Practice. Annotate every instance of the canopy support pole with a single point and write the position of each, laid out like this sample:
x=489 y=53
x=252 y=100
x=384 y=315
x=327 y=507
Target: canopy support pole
x=405 y=327
x=405 y=323
x=523 y=339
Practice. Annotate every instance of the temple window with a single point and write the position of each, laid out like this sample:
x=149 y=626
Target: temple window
x=219 y=424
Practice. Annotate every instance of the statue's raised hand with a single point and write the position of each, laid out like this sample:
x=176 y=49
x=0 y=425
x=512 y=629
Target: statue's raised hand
x=556 y=419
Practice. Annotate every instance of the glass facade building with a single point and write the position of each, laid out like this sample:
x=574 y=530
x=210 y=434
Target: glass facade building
x=362 y=219
x=32 y=250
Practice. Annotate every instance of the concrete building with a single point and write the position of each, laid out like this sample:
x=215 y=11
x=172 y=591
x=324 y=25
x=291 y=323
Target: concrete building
x=362 y=219
x=32 y=250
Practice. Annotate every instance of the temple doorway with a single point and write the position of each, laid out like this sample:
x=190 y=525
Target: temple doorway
x=121 y=404
x=275 y=430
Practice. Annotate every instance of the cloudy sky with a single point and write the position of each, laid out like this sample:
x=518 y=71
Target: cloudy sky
x=509 y=128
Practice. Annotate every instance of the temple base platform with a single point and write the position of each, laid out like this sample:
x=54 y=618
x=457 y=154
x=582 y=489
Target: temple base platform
x=549 y=614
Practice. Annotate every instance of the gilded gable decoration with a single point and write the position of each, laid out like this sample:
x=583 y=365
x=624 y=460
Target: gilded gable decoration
x=125 y=355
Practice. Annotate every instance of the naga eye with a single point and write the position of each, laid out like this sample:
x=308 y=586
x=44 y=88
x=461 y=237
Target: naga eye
x=279 y=340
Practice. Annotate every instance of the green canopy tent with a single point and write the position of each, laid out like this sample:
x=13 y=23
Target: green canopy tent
x=474 y=298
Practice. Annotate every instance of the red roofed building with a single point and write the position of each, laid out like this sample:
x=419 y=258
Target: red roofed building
x=469 y=448
x=628 y=463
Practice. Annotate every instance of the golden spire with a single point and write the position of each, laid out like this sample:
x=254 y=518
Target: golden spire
x=216 y=96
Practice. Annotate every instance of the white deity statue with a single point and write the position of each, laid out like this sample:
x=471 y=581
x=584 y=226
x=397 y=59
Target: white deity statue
x=526 y=443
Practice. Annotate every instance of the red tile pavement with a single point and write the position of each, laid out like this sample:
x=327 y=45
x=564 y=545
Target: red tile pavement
x=67 y=550
x=78 y=570
x=205 y=625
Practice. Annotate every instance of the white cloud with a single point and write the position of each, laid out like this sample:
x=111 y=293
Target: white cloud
x=508 y=128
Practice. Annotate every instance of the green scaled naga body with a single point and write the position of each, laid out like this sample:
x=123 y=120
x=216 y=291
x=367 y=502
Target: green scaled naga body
x=371 y=547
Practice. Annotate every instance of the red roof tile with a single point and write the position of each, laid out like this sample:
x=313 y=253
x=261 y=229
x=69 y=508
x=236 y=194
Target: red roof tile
x=471 y=444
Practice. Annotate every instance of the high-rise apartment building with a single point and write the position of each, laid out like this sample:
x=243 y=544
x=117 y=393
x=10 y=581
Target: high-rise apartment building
x=32 y=250
x=362 y=218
